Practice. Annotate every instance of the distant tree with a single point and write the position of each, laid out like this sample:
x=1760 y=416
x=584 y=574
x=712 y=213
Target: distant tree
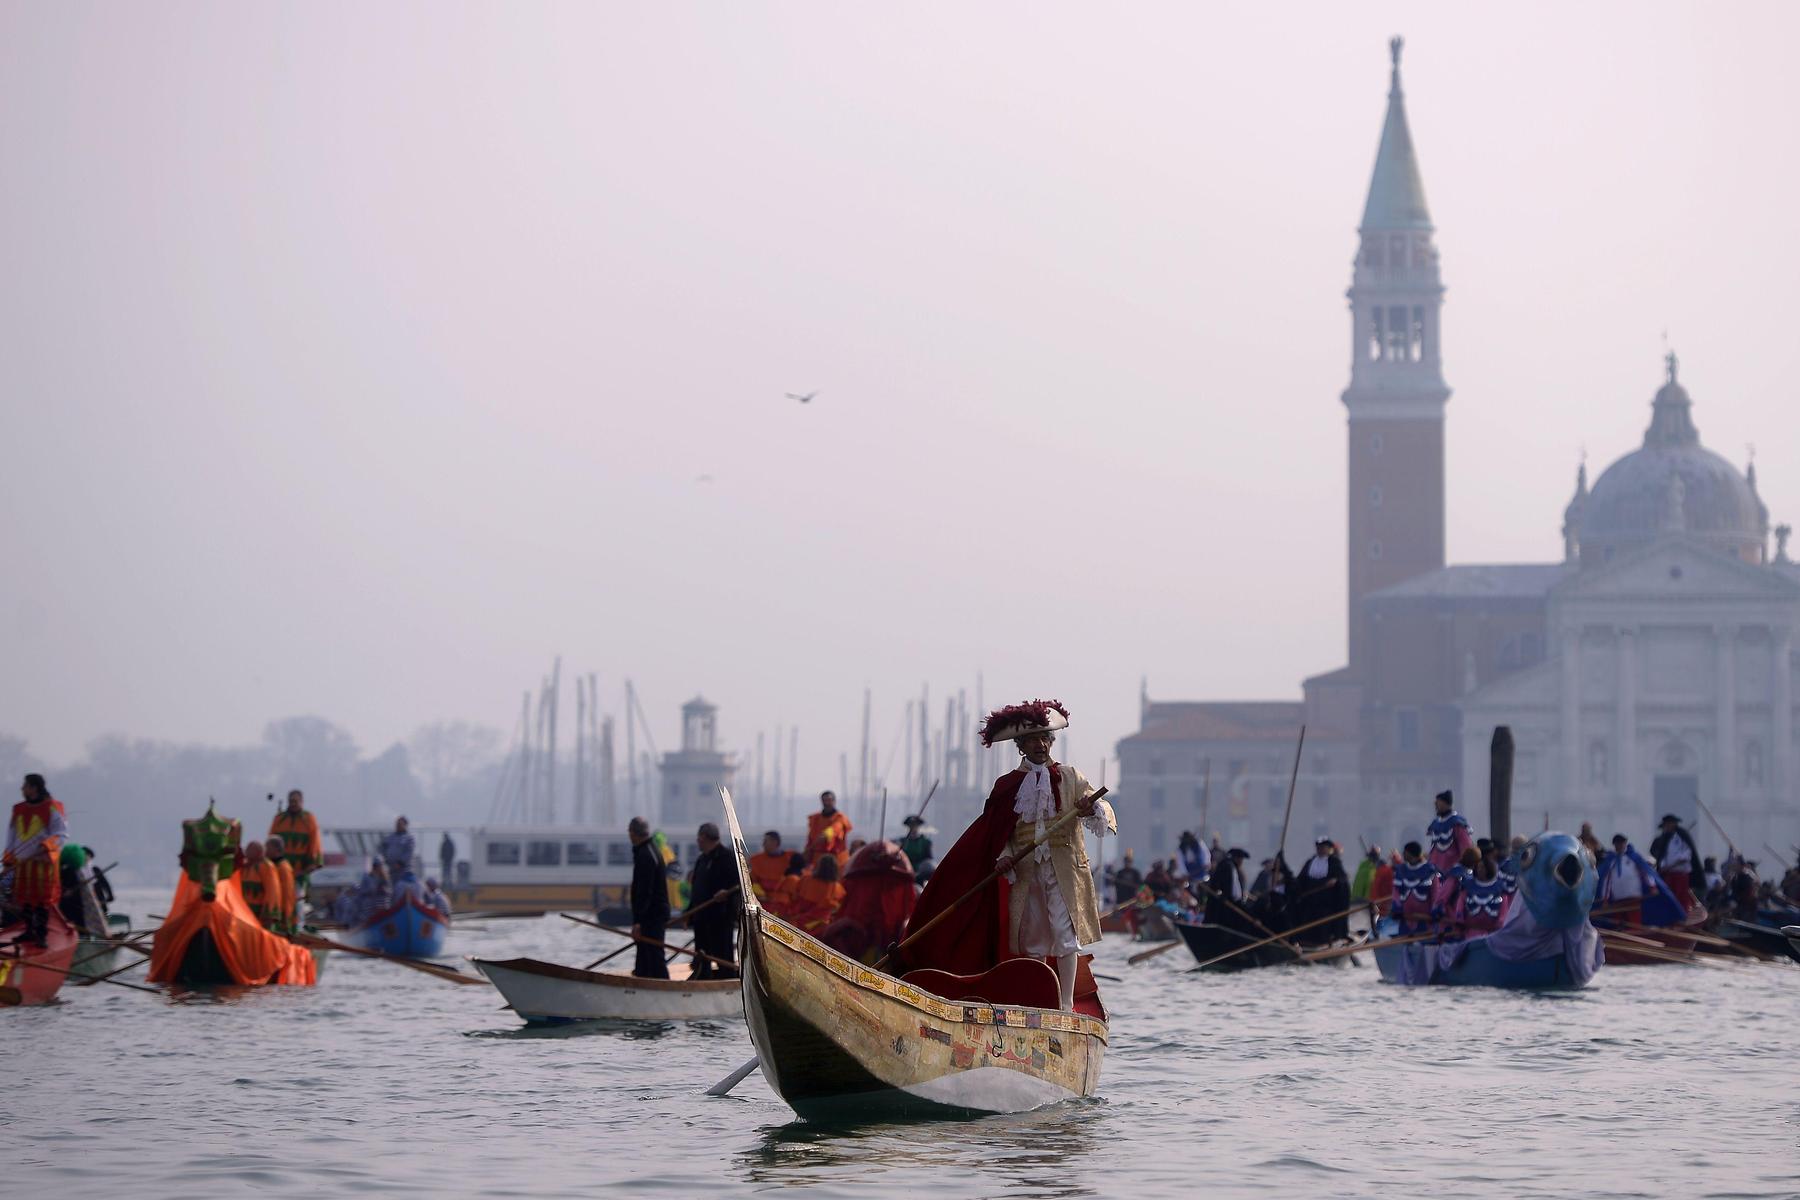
x=386 y=788
x=309 y=753
x=445 y=752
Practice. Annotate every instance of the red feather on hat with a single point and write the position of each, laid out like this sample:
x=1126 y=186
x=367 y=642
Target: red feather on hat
x=1036 y=711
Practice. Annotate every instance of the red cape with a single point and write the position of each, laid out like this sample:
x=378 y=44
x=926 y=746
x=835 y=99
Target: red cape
x=974 y=937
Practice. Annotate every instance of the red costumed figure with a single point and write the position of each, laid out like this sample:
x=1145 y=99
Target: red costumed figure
x=1044 y=904
x=879 y=894
x=34 y=838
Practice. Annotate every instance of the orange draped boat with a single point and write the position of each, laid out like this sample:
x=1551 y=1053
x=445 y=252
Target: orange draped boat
x=221 y=941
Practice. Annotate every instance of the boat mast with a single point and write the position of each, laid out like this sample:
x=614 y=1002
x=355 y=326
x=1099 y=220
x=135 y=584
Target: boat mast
x=631 y=779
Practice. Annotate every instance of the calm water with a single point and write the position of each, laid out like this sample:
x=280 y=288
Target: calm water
x=1661 y=1081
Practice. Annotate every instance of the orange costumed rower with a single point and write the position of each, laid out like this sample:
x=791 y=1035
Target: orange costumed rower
x=299 y=833
x=828 y=832
x=261 y=884
x=768 y=868
x=282 y=893
x=816 y=897
x=34 y=839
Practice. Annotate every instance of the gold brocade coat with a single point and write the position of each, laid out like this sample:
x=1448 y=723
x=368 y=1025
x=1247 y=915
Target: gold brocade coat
x=1068 y=854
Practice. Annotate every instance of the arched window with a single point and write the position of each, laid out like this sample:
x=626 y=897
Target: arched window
x=1753 y=764
x=1598 y=766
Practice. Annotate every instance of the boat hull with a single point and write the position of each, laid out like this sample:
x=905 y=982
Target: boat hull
x=839 y=1040
x=37 y=972
x=549 y=994
x=1480 y=967
x=97 y=956
x=1207 y=942
x=409 y=930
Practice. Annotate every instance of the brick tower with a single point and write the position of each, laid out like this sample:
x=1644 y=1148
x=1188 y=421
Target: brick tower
x=1397 y=392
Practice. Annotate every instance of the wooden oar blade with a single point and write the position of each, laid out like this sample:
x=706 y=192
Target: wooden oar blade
x=732 y=1080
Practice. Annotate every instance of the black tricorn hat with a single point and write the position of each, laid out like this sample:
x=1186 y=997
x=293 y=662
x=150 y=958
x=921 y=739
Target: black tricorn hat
x=1237 y=852
x=914 y=820
x=1667 y=817
x=1446 y=796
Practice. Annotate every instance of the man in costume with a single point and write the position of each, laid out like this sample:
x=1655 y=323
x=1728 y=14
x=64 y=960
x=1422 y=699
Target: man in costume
x=1322 y=890
x=1624 y=879
x=260 y=884
x=1048 y=908
x=917 y=848
x=1449 y=834
x=1196 y=859
x=769 y=867
x=299 y=833
x=1225 y=905
x=1678 y=859
x=714 y=871
x=433 y=897
x=284 y=895
x=649 y=900
x=399 y=848
x=1414 y=881
x=1126 y=880
x=34 y=839
x=1365 y=874
x=828 y=832
x=816 y=895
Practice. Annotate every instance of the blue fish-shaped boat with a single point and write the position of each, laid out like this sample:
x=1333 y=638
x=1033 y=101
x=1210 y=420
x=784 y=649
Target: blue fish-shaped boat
x=408 y=929
x=1547 y=941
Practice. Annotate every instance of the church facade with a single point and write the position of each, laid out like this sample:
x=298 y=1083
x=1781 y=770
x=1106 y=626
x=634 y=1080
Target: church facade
x=1647 y=671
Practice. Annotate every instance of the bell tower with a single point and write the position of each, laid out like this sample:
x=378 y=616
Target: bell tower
x=1397 y=392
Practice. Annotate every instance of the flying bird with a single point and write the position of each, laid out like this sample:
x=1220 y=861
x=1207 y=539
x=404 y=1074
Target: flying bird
x=806 y=399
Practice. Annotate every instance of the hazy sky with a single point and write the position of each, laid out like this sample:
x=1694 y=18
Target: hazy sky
x=359 y=358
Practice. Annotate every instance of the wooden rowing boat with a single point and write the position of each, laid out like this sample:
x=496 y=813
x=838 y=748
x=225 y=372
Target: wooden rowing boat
x=20 y=961
x=840 y=1040
x=1208 y=942
x=546 y=993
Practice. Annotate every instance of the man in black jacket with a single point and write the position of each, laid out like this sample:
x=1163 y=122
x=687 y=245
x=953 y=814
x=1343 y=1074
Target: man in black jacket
x=1322 y=890
x=649 y=900
x=715 y=871
x=1678 y=861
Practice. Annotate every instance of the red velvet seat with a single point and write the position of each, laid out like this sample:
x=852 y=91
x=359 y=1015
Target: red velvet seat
x=1015 y=983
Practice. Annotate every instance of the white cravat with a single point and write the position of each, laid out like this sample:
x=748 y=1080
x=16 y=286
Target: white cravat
x=1036 y=801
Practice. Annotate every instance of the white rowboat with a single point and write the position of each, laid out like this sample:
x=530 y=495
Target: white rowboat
x=550 y=994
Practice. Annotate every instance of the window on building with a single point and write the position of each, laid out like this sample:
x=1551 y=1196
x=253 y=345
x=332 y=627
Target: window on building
x=1157 y=799
x=1156 y=764
x=1396 y=250
x=1377 y=334
x=1406 y=730
x=1415 y=331
x=1372 y=255
x=1375 y=548
x=1375 y=496
x=1396 y=334
x=583 y=854
x=1234 y=768
x=618 y=854
x=1598 y=766
x=1159 y=838
x=1753 y=764
x=503 y=854
x=543 y=854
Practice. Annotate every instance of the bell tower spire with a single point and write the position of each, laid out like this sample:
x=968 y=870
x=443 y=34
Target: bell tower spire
x=1397 y=392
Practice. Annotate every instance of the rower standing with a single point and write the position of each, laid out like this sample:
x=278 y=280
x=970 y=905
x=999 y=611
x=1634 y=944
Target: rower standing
x=1414 y=881
x=714 y=871
x=1049 y=906
x=1322 y=890
x=917 y=848
x=34 y=839
x=299 y=833
x=1678 y=860
x=649 y=901
x=828 y=832
x=1449 y=833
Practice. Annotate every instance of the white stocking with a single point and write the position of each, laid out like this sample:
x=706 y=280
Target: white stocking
x=1065 y=980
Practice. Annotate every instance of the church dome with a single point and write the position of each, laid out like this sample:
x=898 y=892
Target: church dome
x=1673 y=485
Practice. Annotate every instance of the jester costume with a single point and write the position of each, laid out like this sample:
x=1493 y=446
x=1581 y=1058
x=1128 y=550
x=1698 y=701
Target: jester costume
x=34 y=838
x=1414 y=883
x=1450 y=836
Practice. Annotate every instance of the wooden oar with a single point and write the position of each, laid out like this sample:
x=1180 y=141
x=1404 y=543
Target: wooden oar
x=312 y=942
x=648 y=941
x=689 y=914
x=1147 y=955
x=1067 y=818
x=499 y=916
x=108 y=976
x=1283 y=937
x=1656 y=953
x=1367 y=944
x=736 y=1077
x=136 y=987
x=1116 y=909
x=1273 y=936
x=1281 y=849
